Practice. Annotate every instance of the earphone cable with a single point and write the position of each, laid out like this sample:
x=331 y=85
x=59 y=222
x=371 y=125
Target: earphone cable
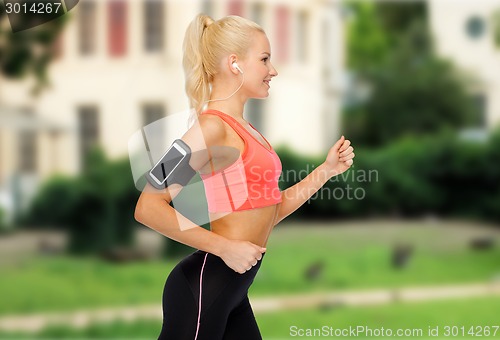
x=232 y=94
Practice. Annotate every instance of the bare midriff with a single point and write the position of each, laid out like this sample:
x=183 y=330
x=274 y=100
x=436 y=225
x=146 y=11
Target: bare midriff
x=253 y=225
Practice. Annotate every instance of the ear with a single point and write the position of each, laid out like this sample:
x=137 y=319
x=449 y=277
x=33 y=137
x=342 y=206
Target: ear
x=232 y=58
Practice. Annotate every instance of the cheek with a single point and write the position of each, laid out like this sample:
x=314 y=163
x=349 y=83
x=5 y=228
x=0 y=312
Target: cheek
x=256 y=78
x=261 y=74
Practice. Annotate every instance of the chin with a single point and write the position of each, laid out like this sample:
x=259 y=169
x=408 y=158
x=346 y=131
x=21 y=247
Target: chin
x=260 y=96
x=264 y=94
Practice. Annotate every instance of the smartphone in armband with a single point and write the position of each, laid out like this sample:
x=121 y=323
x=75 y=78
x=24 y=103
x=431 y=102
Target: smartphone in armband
x=171 y=160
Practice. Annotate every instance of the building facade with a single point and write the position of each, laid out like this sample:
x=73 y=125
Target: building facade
x=468 y=33
x=119 y=67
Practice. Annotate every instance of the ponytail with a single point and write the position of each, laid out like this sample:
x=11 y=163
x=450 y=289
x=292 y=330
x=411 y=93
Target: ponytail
x=197 y=79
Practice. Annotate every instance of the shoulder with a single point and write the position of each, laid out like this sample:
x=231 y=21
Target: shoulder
x=207 y=130
x=213 y=128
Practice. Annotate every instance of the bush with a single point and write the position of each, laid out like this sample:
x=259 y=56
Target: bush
x=96 y=208
x=55 y=203
x=437 y=174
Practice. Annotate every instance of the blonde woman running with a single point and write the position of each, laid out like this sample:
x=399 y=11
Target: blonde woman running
x=227 y=62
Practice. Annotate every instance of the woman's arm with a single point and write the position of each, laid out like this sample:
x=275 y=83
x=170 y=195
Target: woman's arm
x=338 y=160
x=153 y=210
x=153 y=207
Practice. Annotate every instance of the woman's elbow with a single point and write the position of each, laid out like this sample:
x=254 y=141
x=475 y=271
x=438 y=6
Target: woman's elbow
x=148 y=206
x=139 y=213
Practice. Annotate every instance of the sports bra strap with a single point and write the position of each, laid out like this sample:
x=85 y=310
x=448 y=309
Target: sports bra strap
x=235 y=125
x=228 y=119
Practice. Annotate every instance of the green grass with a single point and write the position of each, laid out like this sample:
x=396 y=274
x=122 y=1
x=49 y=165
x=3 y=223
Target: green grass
x=359 y=257
x=278 y=325
x=68 y=283
x=355 y=256
x=143 y=329
x=422 y=315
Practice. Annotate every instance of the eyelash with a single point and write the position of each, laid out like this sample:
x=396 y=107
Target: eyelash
x=265 y=59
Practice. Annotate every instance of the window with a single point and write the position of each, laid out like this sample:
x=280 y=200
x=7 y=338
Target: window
x=153 y=25
x=152 y=113
x=479 y=105
x=117 y=27
x=282 y=32
x=87 y=27
x=476 y=127
x=495 y=21
x=302 y=36
x=2 y=162
x=88 y=122
x=57 y=46
x=27 y=151
x=1 y=155
x=475 y=27
x=156 y=132
x=257 y=12
x=235 y=7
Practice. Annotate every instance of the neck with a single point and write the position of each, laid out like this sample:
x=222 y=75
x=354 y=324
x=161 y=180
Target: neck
x=232 y=106
x=232 y=109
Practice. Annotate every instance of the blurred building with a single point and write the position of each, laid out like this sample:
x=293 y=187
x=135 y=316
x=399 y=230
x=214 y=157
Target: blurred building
x=468 y=33
x=119 y=68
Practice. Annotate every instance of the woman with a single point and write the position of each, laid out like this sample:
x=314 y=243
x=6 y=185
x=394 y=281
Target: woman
x=226 y=62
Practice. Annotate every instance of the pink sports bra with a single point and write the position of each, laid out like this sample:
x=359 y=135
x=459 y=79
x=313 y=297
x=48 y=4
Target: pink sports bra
x=251 y=181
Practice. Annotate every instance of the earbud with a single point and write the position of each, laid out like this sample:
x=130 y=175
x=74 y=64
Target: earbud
x=235 y=65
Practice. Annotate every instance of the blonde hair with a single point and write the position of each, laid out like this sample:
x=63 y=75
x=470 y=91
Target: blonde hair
x=205 y=43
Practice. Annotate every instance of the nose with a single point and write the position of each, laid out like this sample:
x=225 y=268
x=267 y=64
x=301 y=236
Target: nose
x=272 y=71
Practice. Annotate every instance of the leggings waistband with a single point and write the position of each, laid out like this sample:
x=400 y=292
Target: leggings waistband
x=217 y=261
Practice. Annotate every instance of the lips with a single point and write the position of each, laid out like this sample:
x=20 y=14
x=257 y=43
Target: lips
x=267 y=82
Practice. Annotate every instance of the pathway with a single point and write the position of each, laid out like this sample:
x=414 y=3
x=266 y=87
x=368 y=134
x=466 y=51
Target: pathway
x=83 y=318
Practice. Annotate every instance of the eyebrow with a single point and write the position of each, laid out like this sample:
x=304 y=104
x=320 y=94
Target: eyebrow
x=269 y=54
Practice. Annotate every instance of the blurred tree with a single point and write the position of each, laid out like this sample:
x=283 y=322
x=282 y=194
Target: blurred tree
x=415 y=93
x=29 y=51
x=367 y=42
x=398 y=17
x=375 y=29
x=407 y=89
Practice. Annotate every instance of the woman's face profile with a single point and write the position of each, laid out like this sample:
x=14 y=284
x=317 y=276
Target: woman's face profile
x=257 y=67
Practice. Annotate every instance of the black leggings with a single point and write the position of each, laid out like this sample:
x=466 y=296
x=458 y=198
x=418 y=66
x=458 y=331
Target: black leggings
x=225 y=309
